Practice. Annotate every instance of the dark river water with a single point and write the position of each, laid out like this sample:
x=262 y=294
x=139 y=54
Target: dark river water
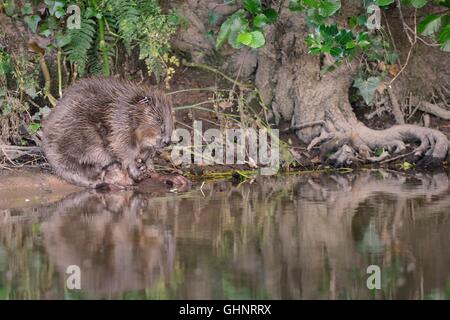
x=289 y=237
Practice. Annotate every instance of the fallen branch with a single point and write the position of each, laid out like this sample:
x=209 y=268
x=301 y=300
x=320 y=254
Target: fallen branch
x=397 y=157
x=434 y=109
x=378 y=112
x=11 y=153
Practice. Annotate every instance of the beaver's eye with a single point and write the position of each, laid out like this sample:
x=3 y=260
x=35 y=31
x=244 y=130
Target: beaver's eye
x=144 y=99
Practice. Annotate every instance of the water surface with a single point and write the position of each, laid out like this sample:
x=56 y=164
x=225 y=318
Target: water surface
x=289 y=237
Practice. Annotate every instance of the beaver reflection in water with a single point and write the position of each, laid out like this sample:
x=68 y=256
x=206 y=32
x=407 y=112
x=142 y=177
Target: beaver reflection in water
x=104 y=132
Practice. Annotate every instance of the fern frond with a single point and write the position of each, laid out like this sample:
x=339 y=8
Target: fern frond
x=127 y=15
x=142 y=23
x=81 y=41
x=96 y=58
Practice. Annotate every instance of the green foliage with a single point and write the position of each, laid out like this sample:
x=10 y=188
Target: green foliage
x=328 y=38
x=367 y=88
x=231 y=28
x=318 y=11
x=79 y=41
x=438 y=27
x=435 y=25
x=141 y=22
x=379 y=151
x=245 y=26
x=32 y=21
x=34 y=127
x=418 y=3
x=104 y=25
x=339 y=43
x=406 y=166
x=140 y=26
x=5 y=63
x=9 y=7
x=18 y=87
x=383 y=3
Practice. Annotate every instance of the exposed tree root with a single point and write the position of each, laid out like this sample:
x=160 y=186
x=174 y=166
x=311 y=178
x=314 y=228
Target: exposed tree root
x=354 y=141
x=396 y=110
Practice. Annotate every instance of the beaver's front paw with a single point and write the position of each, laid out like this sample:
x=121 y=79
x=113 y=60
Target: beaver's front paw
x=138 y=170
x=114 y=175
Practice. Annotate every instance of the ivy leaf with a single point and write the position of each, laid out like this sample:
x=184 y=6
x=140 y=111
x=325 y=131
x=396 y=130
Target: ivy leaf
x=328 y=31
x=258 y=40
x=59 y=13
x=418 y=3
x=33 y=127
x=238 y=24
x=356 y=21
x=54 y=7
x=314 y=44
x=224 y=33
x=444 y=38
x=254 y=39
x=245 y=38
x=383 y=3
x=46 y=33
x=9 y=7
x=252 y=6
x=329 y=7
x=32 y=22
x=230 y=29
x=367 y=88
x=62 y=40
x=344 y=37
x=362 y=40
x=271 y=14
x=27 y=9
x=260 y=21
x=430 y=24
x=336 y=52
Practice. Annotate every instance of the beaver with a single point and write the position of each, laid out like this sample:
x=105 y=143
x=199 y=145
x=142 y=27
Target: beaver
x=104 y=132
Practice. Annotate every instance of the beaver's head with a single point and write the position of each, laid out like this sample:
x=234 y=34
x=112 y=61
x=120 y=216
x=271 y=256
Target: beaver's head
x=154 y=129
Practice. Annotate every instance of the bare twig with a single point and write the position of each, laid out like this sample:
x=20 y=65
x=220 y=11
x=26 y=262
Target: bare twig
x=212 y=69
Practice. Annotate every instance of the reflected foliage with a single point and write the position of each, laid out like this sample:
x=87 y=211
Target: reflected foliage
x=303 y=237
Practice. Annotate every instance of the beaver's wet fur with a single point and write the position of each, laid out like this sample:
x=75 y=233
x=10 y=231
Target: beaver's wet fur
x=105 y=131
